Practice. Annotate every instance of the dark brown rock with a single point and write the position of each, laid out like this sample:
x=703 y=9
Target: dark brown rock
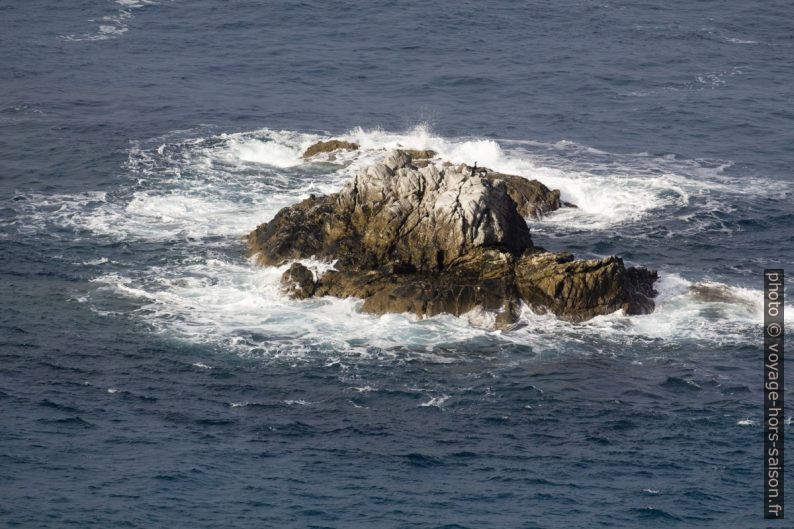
x=298 y=281
x=303 y=230
x=329 y=146
x=420 y=154
x=578 y=290
x=532 y=198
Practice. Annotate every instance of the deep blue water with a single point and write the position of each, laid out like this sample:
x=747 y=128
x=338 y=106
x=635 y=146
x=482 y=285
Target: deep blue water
x=151 y=376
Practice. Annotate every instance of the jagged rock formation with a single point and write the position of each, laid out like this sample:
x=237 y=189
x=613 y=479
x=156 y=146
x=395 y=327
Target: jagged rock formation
x=448 y=239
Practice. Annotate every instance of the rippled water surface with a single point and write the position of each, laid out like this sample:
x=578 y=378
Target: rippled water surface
x=152 y=376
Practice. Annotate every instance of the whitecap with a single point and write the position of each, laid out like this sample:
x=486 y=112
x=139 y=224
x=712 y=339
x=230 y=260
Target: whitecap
x=263 y=152
x=734 y=40
x=437 y=402
x=96 y=262
x=111 y=26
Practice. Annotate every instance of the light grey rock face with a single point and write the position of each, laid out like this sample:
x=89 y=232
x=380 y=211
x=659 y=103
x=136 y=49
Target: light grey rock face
x=429 y=217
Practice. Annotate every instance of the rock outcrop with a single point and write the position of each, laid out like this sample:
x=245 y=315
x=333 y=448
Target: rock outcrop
x=329 y=146
x=442 y=239
x=532 y=198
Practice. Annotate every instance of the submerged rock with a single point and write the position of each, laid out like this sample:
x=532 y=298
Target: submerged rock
x=298 y=281
x=329 y=146
x=718 y=293
x=449 y=239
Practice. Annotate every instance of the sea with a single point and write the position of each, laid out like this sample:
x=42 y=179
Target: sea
x=151 y=375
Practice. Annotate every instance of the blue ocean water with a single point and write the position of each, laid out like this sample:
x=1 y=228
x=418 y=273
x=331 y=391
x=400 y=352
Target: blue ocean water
x=151 y=376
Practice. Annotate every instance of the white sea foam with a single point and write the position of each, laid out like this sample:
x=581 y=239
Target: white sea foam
x=734 y=40
x=711 y=80
x=437 y=402
x=263 y=152
x=96 y=262
x=237 y=305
